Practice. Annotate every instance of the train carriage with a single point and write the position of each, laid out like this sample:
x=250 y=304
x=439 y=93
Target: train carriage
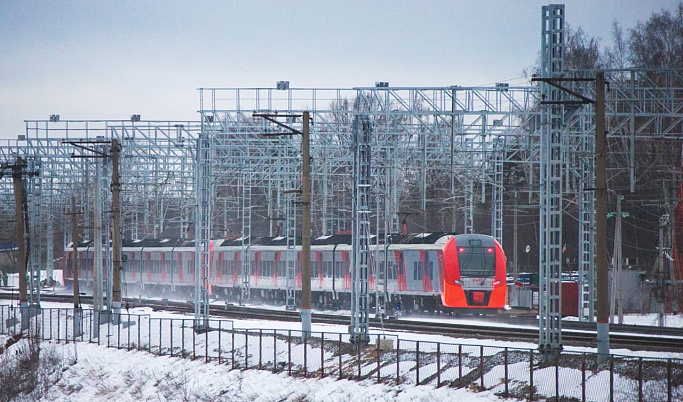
x=425 y=271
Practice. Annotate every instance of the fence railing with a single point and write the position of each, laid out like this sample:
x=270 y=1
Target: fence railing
x=510 y=372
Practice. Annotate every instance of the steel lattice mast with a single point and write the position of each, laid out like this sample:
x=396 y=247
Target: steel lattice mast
x=552 y=170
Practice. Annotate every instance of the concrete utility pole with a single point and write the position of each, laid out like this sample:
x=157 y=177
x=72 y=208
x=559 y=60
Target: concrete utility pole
x=97 y=246
x=305 y=211
x=661 y=269
x=78 y=313
x=601 y=219
x=116 y=235
x=18 y=182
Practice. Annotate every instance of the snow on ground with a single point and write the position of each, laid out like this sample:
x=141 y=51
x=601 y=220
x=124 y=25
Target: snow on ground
x=329 y=328
x=99 y=373
x=675 y=321
x=96 y=373
x=652 y=320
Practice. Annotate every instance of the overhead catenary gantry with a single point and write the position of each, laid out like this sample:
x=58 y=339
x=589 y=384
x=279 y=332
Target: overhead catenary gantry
x=435 y=155
x=419 y=133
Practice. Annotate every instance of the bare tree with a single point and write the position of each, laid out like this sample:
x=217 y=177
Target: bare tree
x=582 y=51
x=617 y=56
x=659 y=41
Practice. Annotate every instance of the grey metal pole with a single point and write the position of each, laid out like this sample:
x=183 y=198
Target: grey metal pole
x=97 y=261
x=601 y=220
x=77 y=300
x=306 y=231
x=514 y=248
x=116 y=235
x=74 y=240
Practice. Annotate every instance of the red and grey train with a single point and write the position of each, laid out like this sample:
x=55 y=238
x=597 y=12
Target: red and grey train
x=424 y=271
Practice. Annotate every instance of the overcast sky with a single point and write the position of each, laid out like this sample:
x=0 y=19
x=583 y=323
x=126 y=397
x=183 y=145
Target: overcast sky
x=94 y=60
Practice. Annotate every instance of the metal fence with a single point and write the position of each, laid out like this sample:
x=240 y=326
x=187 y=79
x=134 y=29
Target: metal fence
x=510 y=372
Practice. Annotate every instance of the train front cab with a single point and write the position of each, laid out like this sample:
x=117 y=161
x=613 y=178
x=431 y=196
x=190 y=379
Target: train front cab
x=474 y=273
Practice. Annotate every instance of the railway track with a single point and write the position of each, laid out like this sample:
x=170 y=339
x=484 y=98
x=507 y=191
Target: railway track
x=573 y=334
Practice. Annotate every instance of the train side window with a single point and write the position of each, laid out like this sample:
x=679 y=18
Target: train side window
x=338 y=269
x=400 y=268
x=266 y=268
x=417 y=270
x=314 y=269
x=430 y=270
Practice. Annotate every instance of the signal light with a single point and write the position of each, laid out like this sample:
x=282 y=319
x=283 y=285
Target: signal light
x=461 y=250
x=490 y=249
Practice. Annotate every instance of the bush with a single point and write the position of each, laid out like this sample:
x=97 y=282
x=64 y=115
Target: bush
x=25 y=372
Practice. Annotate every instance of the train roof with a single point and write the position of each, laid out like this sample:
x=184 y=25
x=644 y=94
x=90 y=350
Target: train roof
x=413 y=238
x=172 y=242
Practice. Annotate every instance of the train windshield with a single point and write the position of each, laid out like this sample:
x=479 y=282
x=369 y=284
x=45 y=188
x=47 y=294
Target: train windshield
x=476 y=260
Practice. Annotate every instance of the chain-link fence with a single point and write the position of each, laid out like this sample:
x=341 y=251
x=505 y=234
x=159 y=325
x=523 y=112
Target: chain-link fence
x=510 y=372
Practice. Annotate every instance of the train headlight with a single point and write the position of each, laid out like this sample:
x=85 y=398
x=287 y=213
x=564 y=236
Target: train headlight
x=496 y=283
x=457 y=282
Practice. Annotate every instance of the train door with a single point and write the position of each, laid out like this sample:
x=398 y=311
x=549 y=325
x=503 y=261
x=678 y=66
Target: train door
x=346 y=263
x=320 y=268
x=277 y=255
x=164 y=267
x=190 y=271
x=256 y=268
x=401 y=270
x=426 y=267
x=266 y=269
x=181 y=265
x=219 y=270
x=439 y=270
x=236 y=263
x=152 y=263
